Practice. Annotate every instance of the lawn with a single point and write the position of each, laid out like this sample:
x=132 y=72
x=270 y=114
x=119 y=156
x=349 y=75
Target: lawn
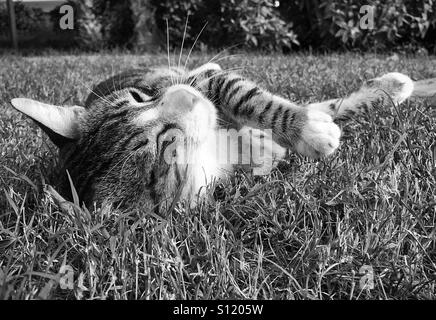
x=307 y=231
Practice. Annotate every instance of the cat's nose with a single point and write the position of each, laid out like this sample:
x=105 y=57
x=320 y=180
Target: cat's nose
x=183 y=98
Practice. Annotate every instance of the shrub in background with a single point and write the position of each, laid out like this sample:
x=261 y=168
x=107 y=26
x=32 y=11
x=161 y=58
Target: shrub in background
x=397 y=23
x=70 y=36
x=253 y=23
x=175 y=13
x=27 y=19
x=99 y=23
x=89 y=28
x=145 y=35
x=335 y=24
x=116 y=20
x=260 y=24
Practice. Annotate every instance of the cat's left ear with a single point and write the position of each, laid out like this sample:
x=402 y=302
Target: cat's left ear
x=60 y=123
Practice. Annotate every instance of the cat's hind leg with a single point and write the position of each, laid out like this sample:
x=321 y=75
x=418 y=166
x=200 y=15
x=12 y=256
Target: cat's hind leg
x=379 y=92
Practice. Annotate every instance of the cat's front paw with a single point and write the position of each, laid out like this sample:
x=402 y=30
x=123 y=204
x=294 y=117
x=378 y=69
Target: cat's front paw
x=397 y=85
x=319 y=136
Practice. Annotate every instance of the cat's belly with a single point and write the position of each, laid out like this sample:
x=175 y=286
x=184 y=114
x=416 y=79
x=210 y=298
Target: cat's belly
x=222 y=152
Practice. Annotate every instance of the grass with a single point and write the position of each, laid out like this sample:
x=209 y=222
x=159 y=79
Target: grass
x=303 y=232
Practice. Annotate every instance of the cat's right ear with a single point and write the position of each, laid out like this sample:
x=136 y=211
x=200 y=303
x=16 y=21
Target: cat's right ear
x=60 y=123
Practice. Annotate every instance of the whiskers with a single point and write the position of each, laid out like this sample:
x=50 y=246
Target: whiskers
x=181 y=77
x=193 y=45
x=168 y=52
x=94 y=92
x=217 y=57
x=183 y=40
x=224 y=123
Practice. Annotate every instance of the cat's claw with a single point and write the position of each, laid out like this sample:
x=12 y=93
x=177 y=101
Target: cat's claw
x=319 y=136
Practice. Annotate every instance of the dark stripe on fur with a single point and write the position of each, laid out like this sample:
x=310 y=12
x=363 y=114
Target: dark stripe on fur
x=148 y=90
x=285 y=120
x=233 y=93
x=209 y=88
x=244 y=99
x=219 y=86
x=276 y=115
x=228 y=86
x=105 y=160
x=92 y=139
x=124 y=144
x=265 y=111
x=121 y=104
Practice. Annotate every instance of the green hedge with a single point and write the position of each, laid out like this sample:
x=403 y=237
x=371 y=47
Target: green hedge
x=99 y=23
x=336 y=24
x=261 y=24
x=293 y=24
x=27 y=19
x=244 y=23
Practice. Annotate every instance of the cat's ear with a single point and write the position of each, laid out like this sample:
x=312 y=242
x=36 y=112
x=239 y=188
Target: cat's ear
x=60 y=123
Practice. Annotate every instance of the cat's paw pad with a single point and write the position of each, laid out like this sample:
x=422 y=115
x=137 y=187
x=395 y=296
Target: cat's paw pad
x=397 y=85
x=319 y=136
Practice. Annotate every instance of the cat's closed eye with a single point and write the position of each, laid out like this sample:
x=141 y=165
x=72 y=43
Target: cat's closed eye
x=138 y=98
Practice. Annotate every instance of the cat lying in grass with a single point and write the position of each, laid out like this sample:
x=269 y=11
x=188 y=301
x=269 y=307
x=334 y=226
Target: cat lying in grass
x=146 y=137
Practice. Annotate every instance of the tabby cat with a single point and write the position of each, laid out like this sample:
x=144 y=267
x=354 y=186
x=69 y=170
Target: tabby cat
x=116 y=147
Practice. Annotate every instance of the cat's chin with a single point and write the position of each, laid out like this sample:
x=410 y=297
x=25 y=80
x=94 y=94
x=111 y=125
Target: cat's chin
x=200 y=167
x=200 y=123
x=219 y=154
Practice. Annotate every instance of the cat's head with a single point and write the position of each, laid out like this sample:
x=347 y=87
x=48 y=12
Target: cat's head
x=121 y=145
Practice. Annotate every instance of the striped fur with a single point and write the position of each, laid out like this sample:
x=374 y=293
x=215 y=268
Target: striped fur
x=118 y=143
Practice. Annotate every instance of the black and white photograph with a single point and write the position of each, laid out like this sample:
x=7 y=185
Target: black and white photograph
x=217 y=155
